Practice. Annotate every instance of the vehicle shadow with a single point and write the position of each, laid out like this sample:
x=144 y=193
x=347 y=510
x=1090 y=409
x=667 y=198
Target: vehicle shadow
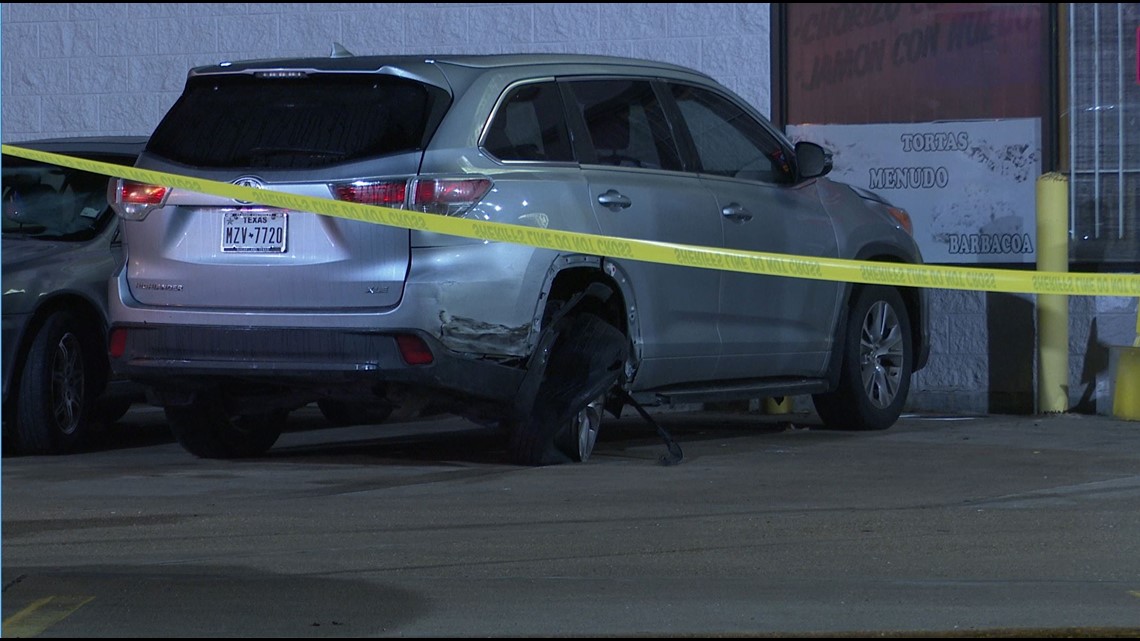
x=444 y=438
x=447 y=439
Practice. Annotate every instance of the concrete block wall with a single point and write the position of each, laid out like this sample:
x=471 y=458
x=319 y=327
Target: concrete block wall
x=73 y=68
x=984 y=352
x=114 y=68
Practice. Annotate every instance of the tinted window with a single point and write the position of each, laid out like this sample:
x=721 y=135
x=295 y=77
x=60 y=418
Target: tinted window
x=729 y=142
x=530 y=126
x=626 y=125
x=320 y=120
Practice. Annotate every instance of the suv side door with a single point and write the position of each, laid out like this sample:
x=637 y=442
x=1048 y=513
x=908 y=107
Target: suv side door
x=638 y=188
x=769 y=325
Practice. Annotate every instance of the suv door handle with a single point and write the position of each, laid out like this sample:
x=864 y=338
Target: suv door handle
x=736 y=213
x=614 y=200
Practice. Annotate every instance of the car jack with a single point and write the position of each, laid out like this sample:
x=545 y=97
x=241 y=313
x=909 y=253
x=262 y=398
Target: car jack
x=675 y=455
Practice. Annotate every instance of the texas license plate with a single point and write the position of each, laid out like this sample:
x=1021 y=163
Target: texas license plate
x=254 y=231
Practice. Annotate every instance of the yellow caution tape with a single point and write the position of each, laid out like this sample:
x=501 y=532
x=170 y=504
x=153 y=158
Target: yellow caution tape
x=773 y=264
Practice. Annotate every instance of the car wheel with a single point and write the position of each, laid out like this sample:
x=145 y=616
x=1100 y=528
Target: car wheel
x=345 y=413
x=577 y=438
x=585 y=361
x=877 y=363
x=54 y=408
x=204 y=429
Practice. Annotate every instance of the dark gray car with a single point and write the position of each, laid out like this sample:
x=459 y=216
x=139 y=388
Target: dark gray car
x=236 y=313
x=58 y=254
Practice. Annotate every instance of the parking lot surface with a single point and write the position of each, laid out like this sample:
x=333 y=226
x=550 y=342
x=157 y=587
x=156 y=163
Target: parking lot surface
x=770 y=525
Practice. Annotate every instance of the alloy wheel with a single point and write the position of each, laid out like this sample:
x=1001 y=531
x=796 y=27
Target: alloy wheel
x=881 y=354
x=68 y=383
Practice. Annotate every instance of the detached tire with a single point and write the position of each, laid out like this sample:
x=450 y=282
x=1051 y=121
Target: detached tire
x=55 y=408
x=878 y=359
x=584 y=363
x=204 y=429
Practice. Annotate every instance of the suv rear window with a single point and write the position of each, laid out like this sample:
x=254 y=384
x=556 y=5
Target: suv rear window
x=296 y=123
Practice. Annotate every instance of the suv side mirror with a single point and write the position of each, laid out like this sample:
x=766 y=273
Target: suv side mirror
x=812 y=160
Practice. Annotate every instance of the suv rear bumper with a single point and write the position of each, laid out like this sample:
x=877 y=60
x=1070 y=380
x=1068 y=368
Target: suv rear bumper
x=189 y=358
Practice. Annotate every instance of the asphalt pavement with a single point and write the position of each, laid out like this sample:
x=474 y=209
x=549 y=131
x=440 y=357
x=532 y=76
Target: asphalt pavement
x=769 y=526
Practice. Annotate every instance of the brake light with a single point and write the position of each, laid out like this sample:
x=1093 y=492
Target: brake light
x=444 y=196
x=134 y=200
x=449 y=196
x=388 y=193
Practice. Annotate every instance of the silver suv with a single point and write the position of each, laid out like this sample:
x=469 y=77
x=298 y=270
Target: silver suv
x=234 y=314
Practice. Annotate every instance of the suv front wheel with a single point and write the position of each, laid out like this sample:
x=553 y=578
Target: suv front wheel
x=877 y=363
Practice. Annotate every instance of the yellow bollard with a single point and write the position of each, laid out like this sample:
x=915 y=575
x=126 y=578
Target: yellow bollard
x=1053 y=309
x=1126 y=395
x=781 y=405
x=1126 y=386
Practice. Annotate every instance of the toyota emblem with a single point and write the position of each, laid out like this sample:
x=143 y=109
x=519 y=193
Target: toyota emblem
x=252 y=182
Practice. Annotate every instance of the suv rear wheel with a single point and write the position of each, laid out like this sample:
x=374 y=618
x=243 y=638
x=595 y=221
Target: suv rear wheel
x=345 y=413
x=577 y=439
x=586 y=359
x=877 y=363
x=205 y=429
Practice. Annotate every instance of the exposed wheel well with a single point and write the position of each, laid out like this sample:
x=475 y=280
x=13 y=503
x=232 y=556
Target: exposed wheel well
x=570 y=282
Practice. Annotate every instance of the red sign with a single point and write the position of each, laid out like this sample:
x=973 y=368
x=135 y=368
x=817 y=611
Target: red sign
x=932 y=61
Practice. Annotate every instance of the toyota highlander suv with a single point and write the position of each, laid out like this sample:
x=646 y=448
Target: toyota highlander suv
x=234 y=313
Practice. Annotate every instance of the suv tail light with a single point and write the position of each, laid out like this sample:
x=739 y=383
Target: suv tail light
x=444 y=196
x=134 y=200
x=449 y=196
x=388 y=193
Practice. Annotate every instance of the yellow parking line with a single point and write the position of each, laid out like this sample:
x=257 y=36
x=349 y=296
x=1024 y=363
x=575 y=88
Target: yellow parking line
x=42 y=614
